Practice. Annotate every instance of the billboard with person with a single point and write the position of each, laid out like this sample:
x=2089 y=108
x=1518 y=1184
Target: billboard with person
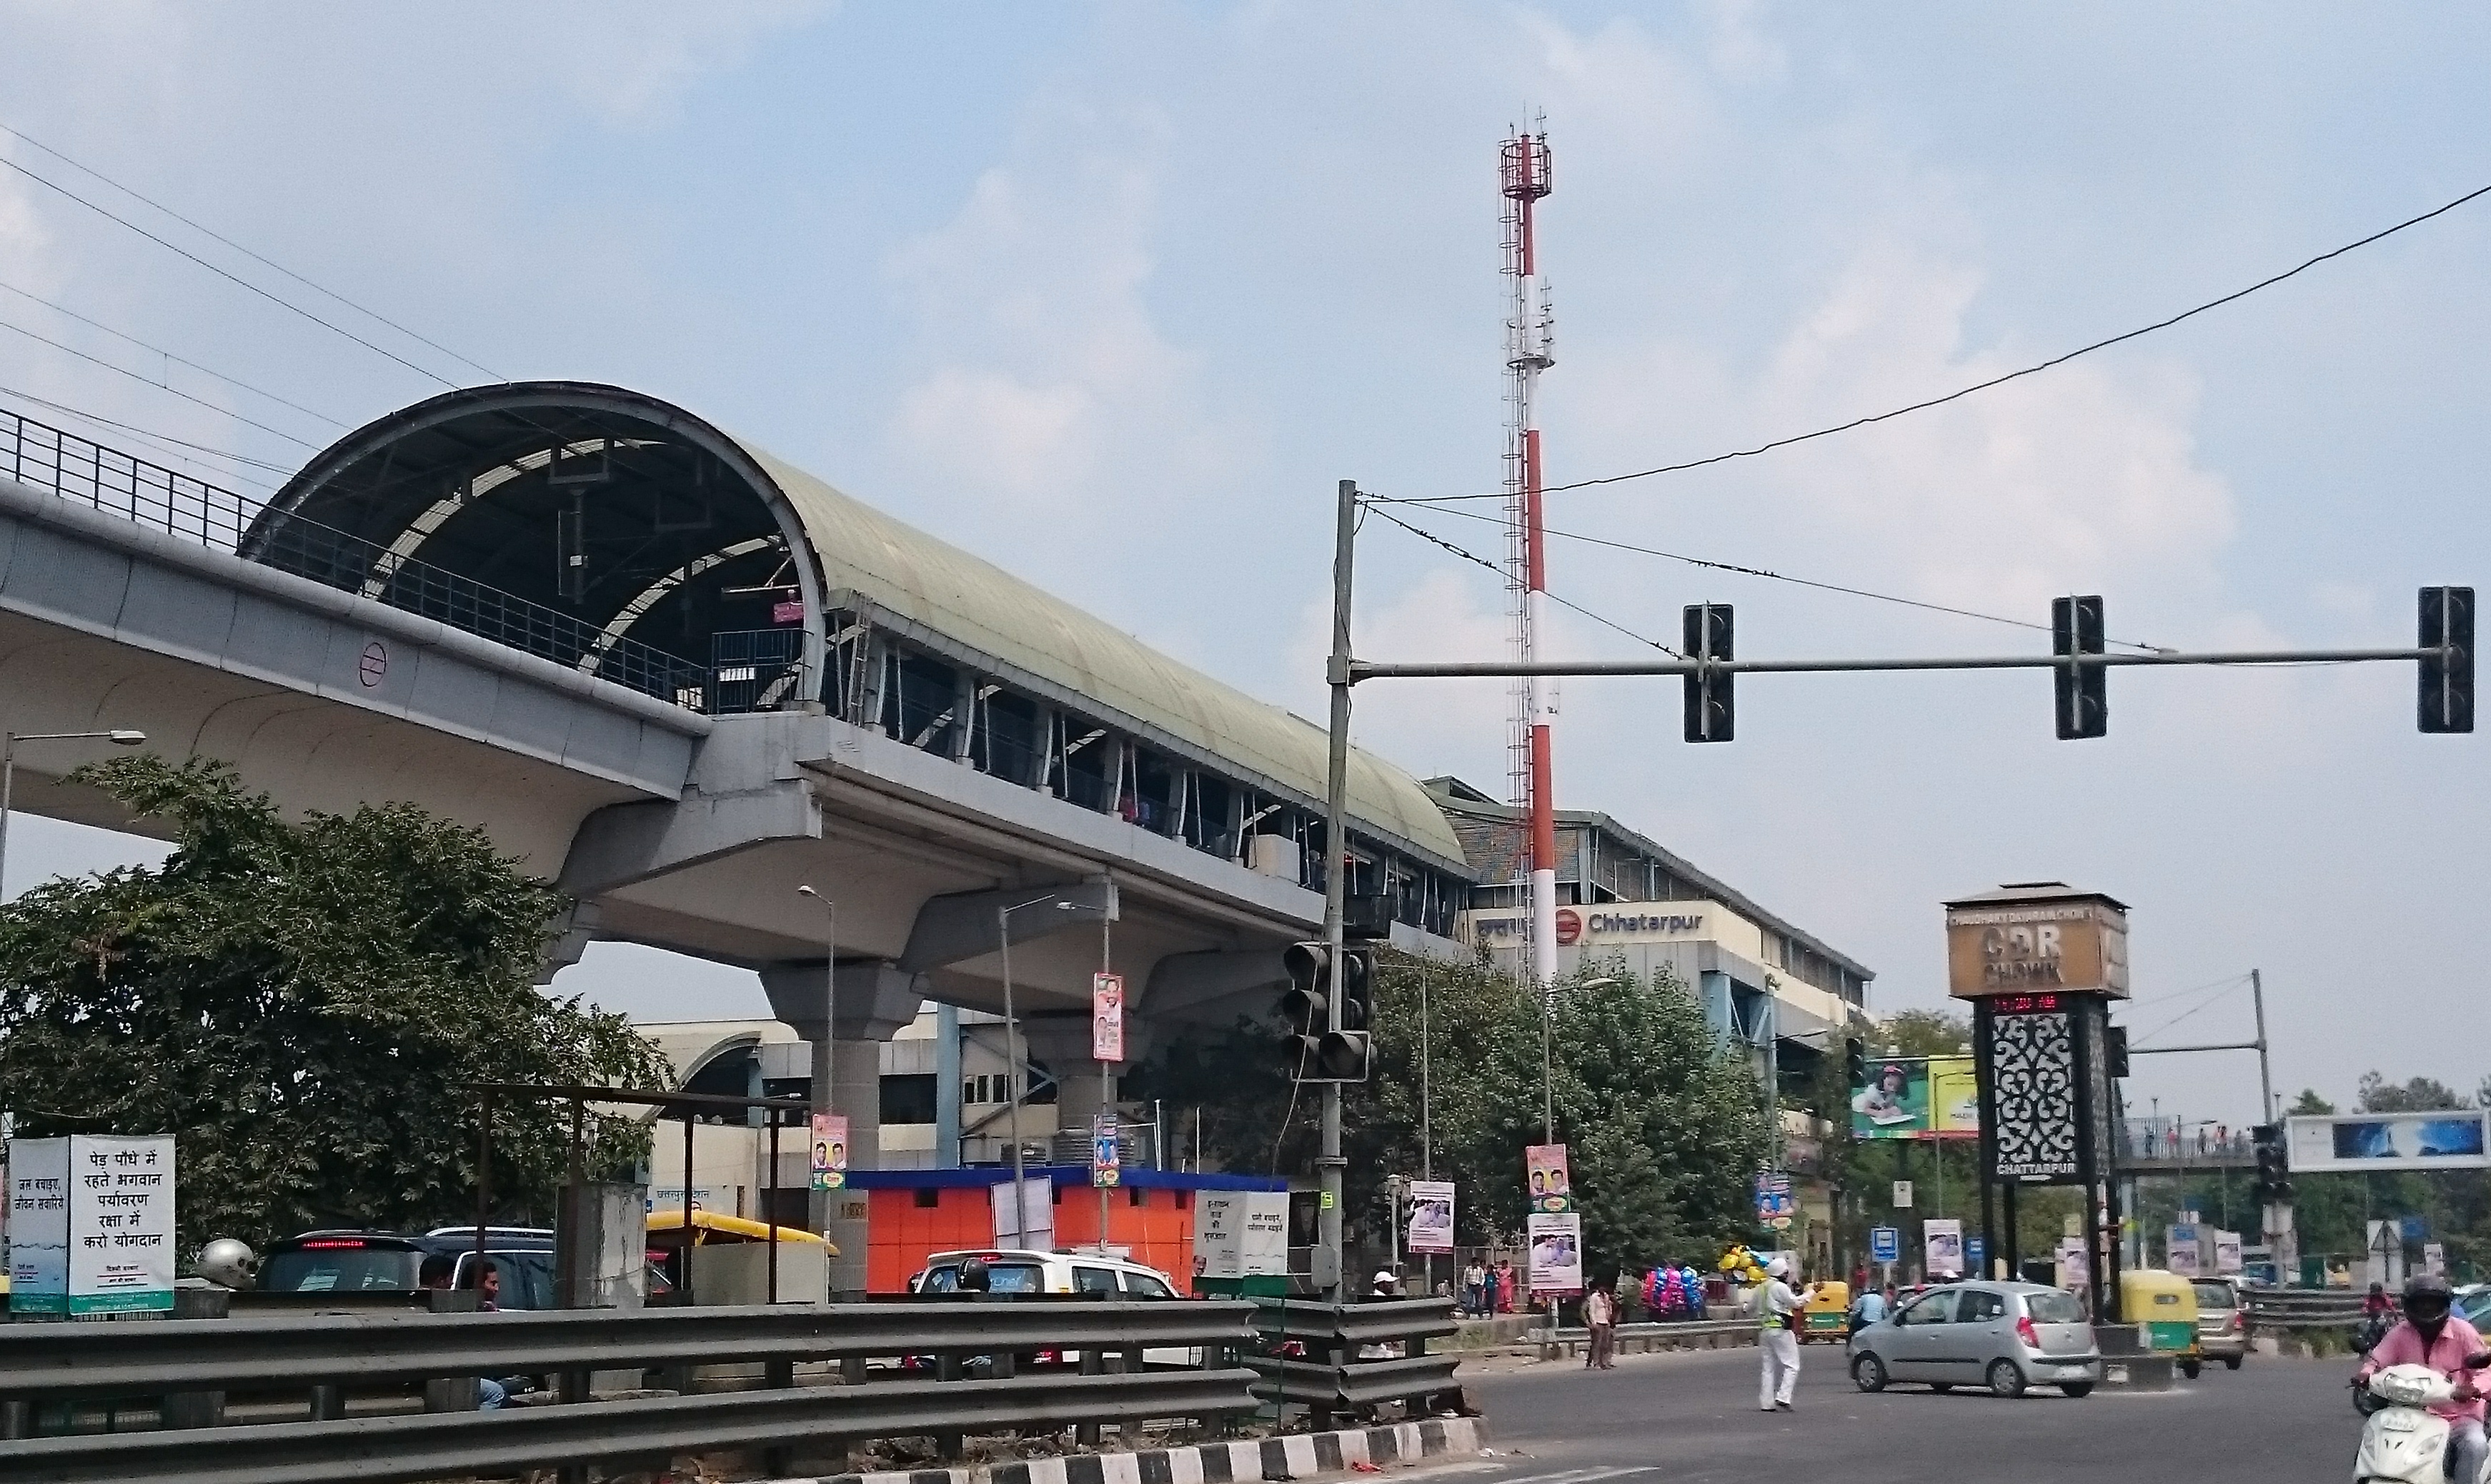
x=1916 y=1098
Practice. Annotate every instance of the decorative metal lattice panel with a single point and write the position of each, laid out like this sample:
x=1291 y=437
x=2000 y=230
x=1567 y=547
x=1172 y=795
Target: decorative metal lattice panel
x=2033 y=1096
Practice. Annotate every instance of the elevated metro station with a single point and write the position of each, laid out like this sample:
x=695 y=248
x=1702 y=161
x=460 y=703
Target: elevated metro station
x=682 y=678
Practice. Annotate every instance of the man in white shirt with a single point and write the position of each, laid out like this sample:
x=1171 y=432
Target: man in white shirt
x=1777 y=1307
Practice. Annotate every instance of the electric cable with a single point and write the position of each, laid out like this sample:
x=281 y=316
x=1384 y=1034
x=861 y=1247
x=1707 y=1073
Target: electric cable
x=231 y=381
x=2210 y=1004
x=165 y=440
x=1982 y=386
x=255 y=258
x=228 y=275
x=1438 y=540
x=146 y=380
x=1759 y=572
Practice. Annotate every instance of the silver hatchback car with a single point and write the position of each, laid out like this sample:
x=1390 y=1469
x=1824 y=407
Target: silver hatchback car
x=2005 y=1336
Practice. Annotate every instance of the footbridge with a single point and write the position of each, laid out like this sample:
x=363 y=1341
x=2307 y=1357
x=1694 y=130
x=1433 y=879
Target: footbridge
x=681 y=677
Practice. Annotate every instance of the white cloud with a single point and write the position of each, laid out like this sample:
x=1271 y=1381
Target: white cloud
x=1044 y=373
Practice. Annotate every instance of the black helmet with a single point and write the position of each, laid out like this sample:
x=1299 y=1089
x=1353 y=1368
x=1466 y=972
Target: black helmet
x=2427 y=1299
x=974 y=1276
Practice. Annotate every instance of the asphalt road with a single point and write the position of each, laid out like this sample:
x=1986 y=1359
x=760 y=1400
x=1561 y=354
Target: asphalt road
x=1693 y=1417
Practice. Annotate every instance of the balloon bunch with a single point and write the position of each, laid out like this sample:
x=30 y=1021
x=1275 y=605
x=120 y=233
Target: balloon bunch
x=1742 y=1265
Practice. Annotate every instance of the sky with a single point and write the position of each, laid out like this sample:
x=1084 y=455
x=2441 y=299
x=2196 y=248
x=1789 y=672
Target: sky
x=1113 y=294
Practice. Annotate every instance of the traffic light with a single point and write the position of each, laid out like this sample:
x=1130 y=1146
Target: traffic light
x=2083 y=690
x=2114 y=1051
x=1710 y=714
x=2274 y=1178
x=1317 y=1053
x=1855 y=1062
x=2447 y=683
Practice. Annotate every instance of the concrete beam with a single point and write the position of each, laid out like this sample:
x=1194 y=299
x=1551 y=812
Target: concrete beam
x=625 y=843
x=1215 y=986
x=967 y=924
x=875 y=998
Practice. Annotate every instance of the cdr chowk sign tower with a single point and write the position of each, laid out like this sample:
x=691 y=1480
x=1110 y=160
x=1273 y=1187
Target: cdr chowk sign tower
x=2040 y=963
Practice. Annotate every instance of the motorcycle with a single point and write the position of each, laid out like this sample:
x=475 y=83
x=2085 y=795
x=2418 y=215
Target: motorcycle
x=2404 y=1441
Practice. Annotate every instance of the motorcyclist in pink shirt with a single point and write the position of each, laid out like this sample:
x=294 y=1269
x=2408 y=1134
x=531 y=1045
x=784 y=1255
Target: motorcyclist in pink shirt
x=2431 y=1335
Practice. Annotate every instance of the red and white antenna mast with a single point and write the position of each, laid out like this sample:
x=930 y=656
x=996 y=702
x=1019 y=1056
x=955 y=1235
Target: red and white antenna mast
x=1523 y=177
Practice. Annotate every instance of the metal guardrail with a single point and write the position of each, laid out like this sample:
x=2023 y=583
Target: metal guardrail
x=1334 y=1377
x=1651 y=1335
x=349 y=1350
x=376 y=1450
x=147 y=494
x=2305 y=1307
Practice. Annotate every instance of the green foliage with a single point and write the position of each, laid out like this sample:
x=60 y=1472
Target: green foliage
x=1665 y=1129
x=297 y=1004
x=1921 y=1033
x=2422 y=1094
x=2310 y=1105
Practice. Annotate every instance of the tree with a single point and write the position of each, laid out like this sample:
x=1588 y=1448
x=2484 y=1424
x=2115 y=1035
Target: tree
x=1665 y=1124
x=2310 y=1105
x=1921 y=1033
x=2422 y=1094
x=297 y=1004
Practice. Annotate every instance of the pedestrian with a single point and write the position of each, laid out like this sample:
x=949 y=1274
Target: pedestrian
x=1475 y=1288
x=485 y=1278
x=1777 y=1309
x=1504 y=1294
x=1601 y=1318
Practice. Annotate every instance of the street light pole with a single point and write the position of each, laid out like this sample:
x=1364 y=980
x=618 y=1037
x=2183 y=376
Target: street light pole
x=1011 y=1059
x=119 y=737
x=825 y=1057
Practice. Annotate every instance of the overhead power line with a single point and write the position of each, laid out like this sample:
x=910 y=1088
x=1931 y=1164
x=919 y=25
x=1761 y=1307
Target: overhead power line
x=1759 y=572
x=178 y=447
x=227 y=273
x=159 y=350
x=1472 y=557
x=1995 y=381
x=144 y=380
x=263 y=261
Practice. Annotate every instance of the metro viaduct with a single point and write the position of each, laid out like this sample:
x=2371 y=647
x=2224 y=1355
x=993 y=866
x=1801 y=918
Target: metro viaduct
x=680 y=678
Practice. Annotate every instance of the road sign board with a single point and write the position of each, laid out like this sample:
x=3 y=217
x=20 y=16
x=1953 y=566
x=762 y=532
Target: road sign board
x=1902 y=1195
x=1885 y=1244
x=1975 y=1255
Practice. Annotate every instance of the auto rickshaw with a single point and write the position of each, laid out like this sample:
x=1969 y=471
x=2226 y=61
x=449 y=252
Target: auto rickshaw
x=1827 y=1314
x=2163 y=1305
x=668 y=1237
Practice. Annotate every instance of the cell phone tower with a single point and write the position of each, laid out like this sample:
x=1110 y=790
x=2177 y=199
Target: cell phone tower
x=1522 y=180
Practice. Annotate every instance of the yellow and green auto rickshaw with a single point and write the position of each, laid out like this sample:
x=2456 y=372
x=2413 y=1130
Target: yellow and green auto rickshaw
x=2163 y=1305
x=1827 y=1314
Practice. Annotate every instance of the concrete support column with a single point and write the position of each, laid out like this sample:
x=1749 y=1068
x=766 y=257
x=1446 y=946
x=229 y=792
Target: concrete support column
x=1062 y=1041
x=874 y=1000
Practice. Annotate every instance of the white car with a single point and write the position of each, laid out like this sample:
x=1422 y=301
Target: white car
x=1022 y=1271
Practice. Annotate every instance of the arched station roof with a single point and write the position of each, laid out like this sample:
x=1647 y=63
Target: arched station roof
x=605 y=505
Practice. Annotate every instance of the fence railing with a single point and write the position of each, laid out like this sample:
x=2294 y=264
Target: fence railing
x=323 y=1356
x=60 y=463
x=1352 y=1355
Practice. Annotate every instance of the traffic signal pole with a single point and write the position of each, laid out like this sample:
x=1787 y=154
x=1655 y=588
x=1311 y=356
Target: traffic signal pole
x=1328 y=1163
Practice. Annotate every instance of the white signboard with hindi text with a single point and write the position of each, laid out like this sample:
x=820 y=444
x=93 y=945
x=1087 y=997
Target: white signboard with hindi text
x=1942 y=1247
x=93 y=1218
x=1556 y=1252
x=1241 y=1233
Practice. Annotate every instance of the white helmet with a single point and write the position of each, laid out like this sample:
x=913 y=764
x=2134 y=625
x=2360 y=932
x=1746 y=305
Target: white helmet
x=229 y=1263
x=1779 y=1267
x=1384 y=1278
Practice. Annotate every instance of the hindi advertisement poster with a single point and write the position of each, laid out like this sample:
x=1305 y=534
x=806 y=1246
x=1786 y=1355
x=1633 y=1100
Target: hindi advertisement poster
x=830 y=1151
x=1942 y=1247
x=1556 y=1252
x=1431 y=1216
x=1107 y=1017
x=1551 y=1185
x=1106 y=1168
